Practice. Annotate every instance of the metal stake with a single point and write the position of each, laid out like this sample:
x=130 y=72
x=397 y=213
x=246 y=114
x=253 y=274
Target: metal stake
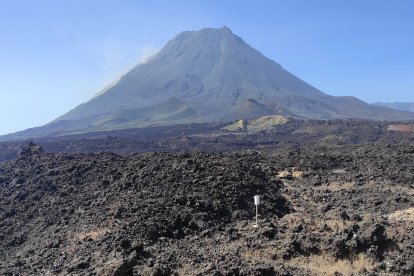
x=257 y=202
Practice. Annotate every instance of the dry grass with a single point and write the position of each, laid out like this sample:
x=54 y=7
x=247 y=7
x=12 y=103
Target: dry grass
x=402 y=215
x=327 y=265
x=336 y=224
x=266 y=122
x=252 y=256
x=400 y=189
x=298 y=174
x=294 y=173
x=284 y=175
x=337 y=186
x=261 y=123
x=321 y=264
x=315 y=224
x=94 y=234
x=240 y=125
x=401 y=128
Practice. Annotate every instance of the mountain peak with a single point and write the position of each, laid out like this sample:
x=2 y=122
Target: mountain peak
x=208 y=35
x=211 y=75
x=216 y=73
x=227 y=29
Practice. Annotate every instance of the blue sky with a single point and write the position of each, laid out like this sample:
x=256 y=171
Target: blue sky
x=56 y=54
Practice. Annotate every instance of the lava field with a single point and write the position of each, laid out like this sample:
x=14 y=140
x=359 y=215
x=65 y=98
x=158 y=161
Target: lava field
x=325 y=210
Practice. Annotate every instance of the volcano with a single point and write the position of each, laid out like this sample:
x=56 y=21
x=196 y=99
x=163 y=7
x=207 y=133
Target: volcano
x=210 y=75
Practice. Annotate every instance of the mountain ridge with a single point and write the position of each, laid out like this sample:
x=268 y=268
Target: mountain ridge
x=209 y=63
x=402 y=106
x=214 y=73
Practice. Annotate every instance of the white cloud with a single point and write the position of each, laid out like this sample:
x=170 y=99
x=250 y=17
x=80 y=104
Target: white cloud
x=148 y=53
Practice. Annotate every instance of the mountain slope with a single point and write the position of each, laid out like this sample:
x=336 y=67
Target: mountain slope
x=402 y=106
x=215 y=76
x=263 y=123
x=214 y=71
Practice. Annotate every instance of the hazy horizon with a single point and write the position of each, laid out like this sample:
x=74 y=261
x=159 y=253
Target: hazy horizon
x=56 y=55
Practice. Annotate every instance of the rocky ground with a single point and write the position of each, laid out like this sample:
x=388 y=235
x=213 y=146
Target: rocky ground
x=211 y=138
x=326 y=210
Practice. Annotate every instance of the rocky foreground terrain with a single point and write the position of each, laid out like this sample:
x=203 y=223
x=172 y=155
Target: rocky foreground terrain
x=326 y=210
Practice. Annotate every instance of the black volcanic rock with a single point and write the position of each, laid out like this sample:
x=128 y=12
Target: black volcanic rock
x=56 y=209
x=193 y=213
x=29 y=150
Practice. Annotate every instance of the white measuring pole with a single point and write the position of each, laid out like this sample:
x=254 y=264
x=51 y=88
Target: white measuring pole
x=257 y=202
